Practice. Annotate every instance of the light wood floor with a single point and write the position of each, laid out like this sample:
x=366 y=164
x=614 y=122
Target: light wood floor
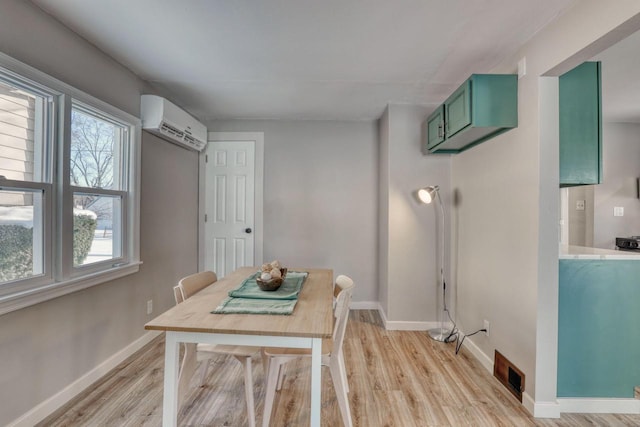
x=397 y=378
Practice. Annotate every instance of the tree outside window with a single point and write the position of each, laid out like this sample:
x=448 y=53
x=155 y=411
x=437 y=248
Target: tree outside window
x=95 y=165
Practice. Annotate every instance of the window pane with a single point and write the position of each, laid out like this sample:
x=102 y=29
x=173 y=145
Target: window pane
x=21 y=234
x=97 y=230
x=96 y=151
x=21 y=134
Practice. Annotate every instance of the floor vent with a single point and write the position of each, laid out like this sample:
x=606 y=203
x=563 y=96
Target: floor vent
x=510 y=376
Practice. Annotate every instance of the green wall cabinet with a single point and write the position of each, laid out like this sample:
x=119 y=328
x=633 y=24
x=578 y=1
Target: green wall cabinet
x=434 y=127
x=482 y=107
x=580 y=105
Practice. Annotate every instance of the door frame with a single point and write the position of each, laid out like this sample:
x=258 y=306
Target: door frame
x=258 y=227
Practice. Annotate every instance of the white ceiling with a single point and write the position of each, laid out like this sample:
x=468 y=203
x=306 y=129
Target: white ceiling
x=305 y=59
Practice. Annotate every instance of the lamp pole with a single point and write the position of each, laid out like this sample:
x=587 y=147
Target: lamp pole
x=441 y=334
x=426 y=195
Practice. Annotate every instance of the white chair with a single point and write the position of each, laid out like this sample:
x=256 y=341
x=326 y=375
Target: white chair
x=332 y=357
x=205 y=352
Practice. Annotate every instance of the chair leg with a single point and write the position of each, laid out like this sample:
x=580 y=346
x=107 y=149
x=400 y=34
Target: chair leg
x=270 y=389
x=341 y=391
x=248 y=389
x=205 y=369
x=187 y=368
x=265 y=364
x=280 y=376
x=343 y=369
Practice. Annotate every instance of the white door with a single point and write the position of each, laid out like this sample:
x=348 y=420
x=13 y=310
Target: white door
x=229 y=206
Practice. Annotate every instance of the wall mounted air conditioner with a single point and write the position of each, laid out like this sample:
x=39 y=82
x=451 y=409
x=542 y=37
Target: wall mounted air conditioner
x=170 y=122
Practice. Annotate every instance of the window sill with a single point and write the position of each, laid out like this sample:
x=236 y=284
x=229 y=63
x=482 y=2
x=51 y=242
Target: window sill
x=49 y=291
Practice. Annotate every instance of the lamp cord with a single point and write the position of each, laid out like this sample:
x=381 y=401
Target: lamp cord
x=454 y=334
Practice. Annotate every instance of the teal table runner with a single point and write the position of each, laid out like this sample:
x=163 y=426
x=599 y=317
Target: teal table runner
x=232 y=305
x=248 y=298
x=289 y=289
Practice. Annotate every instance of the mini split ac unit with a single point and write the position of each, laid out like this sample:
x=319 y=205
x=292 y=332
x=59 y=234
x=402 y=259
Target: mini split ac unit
x=170 y=122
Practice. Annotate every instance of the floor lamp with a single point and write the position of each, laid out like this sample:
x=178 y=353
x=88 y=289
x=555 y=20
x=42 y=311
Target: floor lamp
x=426 y=195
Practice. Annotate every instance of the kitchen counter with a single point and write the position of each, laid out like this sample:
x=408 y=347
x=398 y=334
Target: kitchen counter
x=581 y=252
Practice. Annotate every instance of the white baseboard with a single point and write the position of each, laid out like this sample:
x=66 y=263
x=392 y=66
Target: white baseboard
x=599 y=405
x=364 y=305
x=55 y=402
x=484 y=360
x=395 y=325
x=537 y=409
x=402 y=325
x=543 y=409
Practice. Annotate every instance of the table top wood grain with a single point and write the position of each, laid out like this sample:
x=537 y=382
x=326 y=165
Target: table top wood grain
x=311 y=318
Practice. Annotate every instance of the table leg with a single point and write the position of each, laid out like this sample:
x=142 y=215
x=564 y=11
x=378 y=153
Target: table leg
x=170 y=401
x=316 y=383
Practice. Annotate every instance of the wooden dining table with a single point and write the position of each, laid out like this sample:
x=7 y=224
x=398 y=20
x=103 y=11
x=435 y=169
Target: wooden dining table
x=192 y=322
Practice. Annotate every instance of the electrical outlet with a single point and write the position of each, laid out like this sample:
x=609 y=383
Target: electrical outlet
x=618 y=211
x=486 y=326
x=150 y=306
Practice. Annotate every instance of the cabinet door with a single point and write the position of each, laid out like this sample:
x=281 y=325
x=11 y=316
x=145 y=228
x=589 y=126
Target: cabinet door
x=457 y=109
x=580 y=125
x=434 y=129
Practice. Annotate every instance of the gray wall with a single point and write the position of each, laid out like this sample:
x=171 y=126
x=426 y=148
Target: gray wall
x=46 y=347
x=35 y=38
x=411 y=253
x=621 y=163
x=320 y=195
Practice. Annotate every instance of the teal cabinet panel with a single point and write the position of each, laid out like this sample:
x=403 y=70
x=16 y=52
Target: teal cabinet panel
x=433 y=129
x=581 y=125
x=482 y=107
x=495 y=100
x=598 y=334
x=458 y=109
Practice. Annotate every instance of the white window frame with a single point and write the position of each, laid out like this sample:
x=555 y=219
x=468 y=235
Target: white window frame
x=22 y=285
x=67 y=208
x=61 y=277
x=46 y=131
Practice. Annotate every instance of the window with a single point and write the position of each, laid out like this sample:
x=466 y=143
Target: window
x=98 y=166
x=25 y=183
x=21 y=224
x=68 y=189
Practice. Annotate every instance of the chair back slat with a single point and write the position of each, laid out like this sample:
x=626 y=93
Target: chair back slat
x=342 y=282
x=345 y=285
x=192 y=284
x=177 y=294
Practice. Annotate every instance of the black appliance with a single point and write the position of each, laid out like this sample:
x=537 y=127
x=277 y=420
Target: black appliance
x=628 y=243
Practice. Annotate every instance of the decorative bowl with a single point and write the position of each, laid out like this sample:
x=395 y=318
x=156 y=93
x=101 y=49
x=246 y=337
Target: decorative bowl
x=273 y=284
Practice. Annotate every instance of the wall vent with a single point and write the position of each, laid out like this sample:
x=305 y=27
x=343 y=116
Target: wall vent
x=510 y=376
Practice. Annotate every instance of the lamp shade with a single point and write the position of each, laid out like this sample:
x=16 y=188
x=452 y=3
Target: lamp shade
x=427 y=194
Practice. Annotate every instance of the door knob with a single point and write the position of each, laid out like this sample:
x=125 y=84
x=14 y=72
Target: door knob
x=247 y=230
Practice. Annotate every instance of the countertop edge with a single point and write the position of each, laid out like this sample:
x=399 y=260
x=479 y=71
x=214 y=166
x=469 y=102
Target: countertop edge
x=584 y=253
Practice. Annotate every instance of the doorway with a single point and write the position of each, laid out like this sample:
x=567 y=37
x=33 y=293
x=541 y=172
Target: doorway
x=231 y=201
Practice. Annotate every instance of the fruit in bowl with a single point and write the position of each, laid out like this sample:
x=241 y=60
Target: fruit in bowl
x=271 y=276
